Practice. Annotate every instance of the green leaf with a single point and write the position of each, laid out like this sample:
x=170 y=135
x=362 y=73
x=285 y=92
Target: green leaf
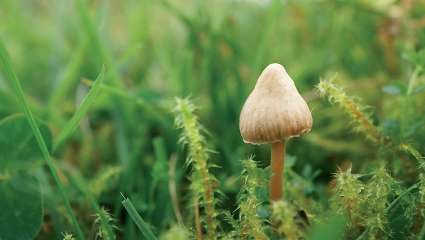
x=18 y=146
x=88 y=100
x=333 y=228
x=138 y=220
x=21 y=207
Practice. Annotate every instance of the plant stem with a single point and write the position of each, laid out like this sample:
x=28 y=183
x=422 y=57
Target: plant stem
x=277 y=162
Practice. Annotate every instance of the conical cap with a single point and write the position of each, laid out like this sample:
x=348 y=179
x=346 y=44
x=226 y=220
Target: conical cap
x=274 y=110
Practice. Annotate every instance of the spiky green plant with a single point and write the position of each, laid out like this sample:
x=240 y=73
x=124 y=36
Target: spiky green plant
x=377 y=193
x=251 y=225
x=203 y=181
x=67 y=236
x=103 y=218
x=366 y=203
x=286 y=218
x=361 y=119
x=346 y=197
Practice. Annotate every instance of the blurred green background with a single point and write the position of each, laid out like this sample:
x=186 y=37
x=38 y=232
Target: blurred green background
x=212 y=52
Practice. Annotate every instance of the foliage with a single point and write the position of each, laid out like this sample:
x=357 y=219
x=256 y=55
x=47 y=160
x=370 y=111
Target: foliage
x=251 y=225
x=21 y=195
x=90 y=87
x=288 y=220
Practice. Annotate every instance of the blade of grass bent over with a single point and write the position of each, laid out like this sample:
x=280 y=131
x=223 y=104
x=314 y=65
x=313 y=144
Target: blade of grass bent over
x=138 y=220
x=10 y=75
x=81 y=111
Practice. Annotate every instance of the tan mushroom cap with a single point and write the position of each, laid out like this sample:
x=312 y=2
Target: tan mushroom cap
x=274 y=110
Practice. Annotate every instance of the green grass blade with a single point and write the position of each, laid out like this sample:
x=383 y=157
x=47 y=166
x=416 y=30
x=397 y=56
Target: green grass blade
x=138 y=220
x=6 y=67
x=72 y=125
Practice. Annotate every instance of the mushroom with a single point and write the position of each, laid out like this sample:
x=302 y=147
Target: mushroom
x=273 y=113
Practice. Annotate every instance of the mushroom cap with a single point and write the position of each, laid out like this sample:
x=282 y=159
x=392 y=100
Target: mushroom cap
x=274 y=111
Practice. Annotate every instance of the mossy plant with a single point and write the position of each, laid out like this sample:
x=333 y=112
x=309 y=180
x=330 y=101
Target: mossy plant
x=361 y=119
x=250 y=224
x=202 y=181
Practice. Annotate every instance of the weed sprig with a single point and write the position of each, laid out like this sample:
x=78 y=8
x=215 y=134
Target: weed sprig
x=251 y=224
x=362 y=119
x=366 y=203
x=289 y=223
x=202 y=180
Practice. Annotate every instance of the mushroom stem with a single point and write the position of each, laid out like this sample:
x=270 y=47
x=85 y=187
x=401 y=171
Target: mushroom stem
x=277 y=162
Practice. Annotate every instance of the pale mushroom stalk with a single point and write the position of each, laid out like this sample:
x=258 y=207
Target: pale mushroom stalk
x=277 y=165
x=273 y=113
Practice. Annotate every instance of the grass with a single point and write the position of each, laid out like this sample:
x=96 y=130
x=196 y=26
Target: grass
x=7 y=69
x=183 y=163
x=88 y=100
x=138 y=220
